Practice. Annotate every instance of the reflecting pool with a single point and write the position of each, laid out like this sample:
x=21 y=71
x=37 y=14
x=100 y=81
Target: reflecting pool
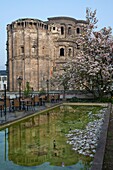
x=40 y=142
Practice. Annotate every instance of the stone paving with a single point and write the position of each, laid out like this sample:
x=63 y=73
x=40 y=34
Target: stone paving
x=18 y=114
x=15 y=115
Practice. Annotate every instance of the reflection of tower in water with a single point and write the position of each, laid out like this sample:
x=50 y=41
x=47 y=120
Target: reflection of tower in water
x=37 y=140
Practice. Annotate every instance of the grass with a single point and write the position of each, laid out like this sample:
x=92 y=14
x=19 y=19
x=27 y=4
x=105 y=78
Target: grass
x=77 y=117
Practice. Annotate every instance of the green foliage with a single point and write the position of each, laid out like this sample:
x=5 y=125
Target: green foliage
x=27 y=90
x=103 y=100
x=42 y=91
x=106 y=100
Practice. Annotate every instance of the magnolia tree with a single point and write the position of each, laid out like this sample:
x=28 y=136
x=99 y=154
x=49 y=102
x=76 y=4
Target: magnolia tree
x=92 y=68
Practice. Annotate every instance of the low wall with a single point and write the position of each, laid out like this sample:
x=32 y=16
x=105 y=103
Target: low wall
x=100 y=151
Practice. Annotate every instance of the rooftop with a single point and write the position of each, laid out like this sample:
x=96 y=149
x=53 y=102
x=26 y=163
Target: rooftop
x=3 y=72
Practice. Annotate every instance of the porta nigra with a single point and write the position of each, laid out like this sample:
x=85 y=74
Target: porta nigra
x=35 y=49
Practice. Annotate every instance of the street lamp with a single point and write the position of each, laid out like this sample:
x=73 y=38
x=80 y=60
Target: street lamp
x=5 y=100
x=47 y=81
x=4 y=78
x=19 y=80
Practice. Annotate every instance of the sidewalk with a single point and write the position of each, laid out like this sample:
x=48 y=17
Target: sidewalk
x=16 y=115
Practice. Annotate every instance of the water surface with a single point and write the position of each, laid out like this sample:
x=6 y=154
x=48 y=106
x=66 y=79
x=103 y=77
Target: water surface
x=39 y=143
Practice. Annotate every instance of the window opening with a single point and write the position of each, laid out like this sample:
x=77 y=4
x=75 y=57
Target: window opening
x=22 y=24
x=78 y=30
x=33 y=48
x=69 y=30
x=22 y=49
x=78 y=46
x=18 y=23
x=62 y=30
x=62 y=52
x=53 y=28
x=69 y=52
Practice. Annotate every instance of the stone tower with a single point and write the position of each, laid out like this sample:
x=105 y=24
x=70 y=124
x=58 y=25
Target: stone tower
x=36 y=48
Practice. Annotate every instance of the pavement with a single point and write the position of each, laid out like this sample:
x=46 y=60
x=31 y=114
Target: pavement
x=12 y=116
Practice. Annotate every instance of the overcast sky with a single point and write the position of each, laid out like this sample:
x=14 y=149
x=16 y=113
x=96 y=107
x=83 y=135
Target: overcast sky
x=11 y=10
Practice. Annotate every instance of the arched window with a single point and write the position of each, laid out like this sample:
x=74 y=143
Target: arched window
x=53 y=28
x=33 y=49
x=78 y=30
x=62 y=30
x=62 y=52
x=69 y=30
x=22 y=49
x=69 y=52
x=78 y=46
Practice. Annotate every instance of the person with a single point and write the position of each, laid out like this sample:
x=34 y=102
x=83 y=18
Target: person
x=52 y=99
x=32 y=90
x=54 y=144
x=63 y=164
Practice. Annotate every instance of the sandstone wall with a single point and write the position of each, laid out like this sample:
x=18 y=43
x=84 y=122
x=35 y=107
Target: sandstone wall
x=35 y=48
